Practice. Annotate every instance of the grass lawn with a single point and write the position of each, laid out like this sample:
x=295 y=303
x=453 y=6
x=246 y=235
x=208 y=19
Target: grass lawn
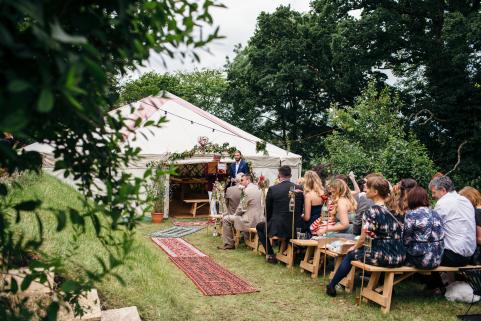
x=163 y=292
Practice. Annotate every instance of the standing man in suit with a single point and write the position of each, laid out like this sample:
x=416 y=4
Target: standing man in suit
x=279 y=218
x=239 y=166
x=233 y=195
x=247 y=215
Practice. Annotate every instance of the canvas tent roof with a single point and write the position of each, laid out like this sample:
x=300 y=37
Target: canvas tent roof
x=185 y=124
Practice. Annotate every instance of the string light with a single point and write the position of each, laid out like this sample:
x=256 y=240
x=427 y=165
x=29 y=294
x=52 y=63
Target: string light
x=199 y=124
x=235 y=135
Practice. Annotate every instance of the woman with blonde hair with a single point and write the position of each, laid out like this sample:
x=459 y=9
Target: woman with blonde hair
x=341 y=204
x=385 y=230
x=474 y=196
x=314 y=197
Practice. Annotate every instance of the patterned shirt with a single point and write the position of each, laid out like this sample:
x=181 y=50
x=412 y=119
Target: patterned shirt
x=386 y=231
x=423 y=238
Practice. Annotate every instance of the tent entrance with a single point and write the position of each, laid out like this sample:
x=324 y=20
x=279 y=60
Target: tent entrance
x=189 y=191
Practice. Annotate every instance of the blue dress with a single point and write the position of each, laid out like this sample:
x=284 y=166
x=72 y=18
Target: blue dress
x=423 y=238
x=386 y=231
x=315 y=214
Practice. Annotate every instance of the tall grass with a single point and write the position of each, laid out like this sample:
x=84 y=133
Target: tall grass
x=163 y=292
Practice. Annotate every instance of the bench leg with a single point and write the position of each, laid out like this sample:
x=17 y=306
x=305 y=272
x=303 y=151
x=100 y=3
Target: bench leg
x=305 y=265
x=384 y=299
x=387 y=291
x=348 y=281
x=290 y=255
x=316 y=262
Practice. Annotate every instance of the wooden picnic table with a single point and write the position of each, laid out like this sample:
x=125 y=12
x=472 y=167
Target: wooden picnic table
x=195 y=206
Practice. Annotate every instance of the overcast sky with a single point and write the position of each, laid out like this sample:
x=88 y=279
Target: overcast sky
x=237 y=23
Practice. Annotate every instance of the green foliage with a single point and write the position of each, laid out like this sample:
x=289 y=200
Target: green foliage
x=203 y=88
x=156 y=188
x=209 y=148
x=58 y=59
x=371 y=137
x=295 y=66
x=433 y=47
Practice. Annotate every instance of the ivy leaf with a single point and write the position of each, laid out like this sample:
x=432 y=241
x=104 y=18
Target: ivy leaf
x=52 y=311
x=28 y=205
x=18 y=85
x=61 y=221
x=45 y=101
x=3 y=190
x=27 y=281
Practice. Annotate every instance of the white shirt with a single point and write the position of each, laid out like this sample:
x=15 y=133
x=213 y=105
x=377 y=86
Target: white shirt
x=237 y=166
x=457 y=214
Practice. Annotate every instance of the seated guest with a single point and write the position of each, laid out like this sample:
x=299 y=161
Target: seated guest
x=279 y=218
x=363 y=204
x=341 y=205
x=474 y=196
x=233 y=195
x=247 y=215
x=423 y=231
x=457 y=214
x=314 y=198
x=397 y=201
x=385 y=229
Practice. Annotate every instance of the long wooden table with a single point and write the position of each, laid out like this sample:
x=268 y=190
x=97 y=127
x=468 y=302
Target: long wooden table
x=195 y=205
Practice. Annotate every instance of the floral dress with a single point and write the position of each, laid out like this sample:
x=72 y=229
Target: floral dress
x=386 y=231
x=423 y=238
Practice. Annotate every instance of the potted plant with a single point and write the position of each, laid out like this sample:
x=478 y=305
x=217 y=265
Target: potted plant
x=156 y=194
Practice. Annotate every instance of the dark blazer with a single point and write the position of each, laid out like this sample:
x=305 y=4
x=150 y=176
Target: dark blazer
x=243 y=168
x=279 y=219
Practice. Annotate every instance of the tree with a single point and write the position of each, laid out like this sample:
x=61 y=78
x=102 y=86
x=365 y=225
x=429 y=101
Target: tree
x=58 y=60
x=294 y=67
x=203 y=88
x=371 y=137
x=433 y=47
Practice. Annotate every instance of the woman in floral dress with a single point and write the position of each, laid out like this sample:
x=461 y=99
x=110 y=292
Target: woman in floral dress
x=423 y=231
x=383 y=227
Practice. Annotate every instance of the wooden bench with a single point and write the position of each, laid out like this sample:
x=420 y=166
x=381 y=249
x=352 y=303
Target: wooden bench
x=382 y=294
x=195 y=205
x=285 y=250
x=312 y=257
x=348 y=281
x=253 y=240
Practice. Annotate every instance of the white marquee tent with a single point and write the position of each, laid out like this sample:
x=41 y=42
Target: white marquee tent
x=185 y=124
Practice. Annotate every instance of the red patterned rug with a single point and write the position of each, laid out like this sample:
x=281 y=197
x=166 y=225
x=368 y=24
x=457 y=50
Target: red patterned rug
x=177 y=247
x=209 y=277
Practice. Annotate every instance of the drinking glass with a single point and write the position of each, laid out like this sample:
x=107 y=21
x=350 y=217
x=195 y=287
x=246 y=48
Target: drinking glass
x=298 y=233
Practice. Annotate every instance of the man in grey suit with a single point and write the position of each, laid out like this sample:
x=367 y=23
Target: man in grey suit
x=247 y=215
x=233 y=195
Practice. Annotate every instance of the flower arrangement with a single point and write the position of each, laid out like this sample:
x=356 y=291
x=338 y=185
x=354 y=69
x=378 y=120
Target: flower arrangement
x=263 y=182
x=243 y=200
x=219 y=197
x=156 y=193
